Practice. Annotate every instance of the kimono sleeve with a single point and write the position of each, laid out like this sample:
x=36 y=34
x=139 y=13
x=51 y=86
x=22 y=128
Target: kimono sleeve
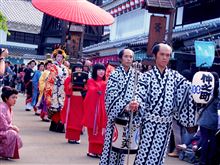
x=68 y=86
x=111 y=91
x=4 y=123
x=42 y=81
x=114 y=101
x=35 y=78
x=185 y=112
x=50 y=85
x=141 y=95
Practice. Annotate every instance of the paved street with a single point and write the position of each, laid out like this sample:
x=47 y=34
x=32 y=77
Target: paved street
x=44 y=147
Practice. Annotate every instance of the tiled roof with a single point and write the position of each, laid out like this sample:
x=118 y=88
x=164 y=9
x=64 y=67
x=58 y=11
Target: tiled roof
x=21 y=15
x=114 y=44
x=160 y=3
x=142 y=39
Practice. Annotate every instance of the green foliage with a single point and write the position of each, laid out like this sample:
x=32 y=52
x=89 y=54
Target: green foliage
x=3 y=23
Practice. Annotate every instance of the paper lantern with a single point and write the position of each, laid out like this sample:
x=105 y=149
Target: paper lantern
x=142 y=1
x=136 y=2
x=132 y=3
x=112 y=12
x=127 y=5
x=119 y=8
x=123 y=7
x=202 y=87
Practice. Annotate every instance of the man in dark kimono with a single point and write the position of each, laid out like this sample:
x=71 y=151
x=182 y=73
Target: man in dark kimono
x=29 y=72
x=161 y=94
x=118 y=94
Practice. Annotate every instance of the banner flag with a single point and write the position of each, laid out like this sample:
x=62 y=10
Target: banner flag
x=205 y=53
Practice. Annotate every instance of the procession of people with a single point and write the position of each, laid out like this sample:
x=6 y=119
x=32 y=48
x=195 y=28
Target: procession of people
x=138 y=106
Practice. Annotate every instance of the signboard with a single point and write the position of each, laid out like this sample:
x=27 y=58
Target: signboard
x=205 y=53
x=157 y=31
x=202 y=87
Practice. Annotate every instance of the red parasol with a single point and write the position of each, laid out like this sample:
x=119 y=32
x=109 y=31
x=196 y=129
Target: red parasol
x=77 y=11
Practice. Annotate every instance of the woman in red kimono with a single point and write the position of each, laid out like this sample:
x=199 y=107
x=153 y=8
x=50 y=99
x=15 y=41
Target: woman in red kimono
x=72 y=112
x=10 y=141
x=94 y=111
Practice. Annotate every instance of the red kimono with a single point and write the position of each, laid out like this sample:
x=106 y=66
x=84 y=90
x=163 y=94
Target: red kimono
x=72 y=113
x=95 y=117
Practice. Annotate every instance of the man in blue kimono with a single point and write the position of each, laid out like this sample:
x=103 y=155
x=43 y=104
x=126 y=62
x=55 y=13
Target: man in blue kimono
x=161 y=94
x=119 y=93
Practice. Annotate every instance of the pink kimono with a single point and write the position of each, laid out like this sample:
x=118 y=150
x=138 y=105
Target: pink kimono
x=10 y=141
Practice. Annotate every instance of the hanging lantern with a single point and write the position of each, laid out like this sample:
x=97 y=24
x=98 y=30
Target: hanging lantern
x=128 y=5
x=123 y=7
x=111 y=12
x=132 y=3
x=202 y=87
x=115 y=10
x=136 y=2
x=119 y=9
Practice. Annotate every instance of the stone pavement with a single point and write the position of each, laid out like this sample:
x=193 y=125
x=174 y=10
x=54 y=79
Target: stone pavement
x=42 y=147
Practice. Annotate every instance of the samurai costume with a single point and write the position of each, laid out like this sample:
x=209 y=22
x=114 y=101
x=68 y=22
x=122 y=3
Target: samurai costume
x=161 y=97
x=118 y=94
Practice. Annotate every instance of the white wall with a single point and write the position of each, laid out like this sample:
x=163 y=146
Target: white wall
x=129 y=24
x=133 y=23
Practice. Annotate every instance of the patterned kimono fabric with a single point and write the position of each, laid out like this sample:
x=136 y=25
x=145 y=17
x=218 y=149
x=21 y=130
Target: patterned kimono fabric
x=161 y=97
x=118 y=94
x=72 y=113
x=10 y=141
x=28 y=86
x=95 y=118
x=35 y=83
x=41 y=103
x=54 y=95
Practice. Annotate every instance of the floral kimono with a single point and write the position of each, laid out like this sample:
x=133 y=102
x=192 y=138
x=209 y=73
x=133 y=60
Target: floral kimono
x=54 y=90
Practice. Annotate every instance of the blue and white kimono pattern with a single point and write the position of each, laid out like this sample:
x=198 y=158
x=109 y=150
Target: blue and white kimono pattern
x=161 y=97
x=119 y=93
